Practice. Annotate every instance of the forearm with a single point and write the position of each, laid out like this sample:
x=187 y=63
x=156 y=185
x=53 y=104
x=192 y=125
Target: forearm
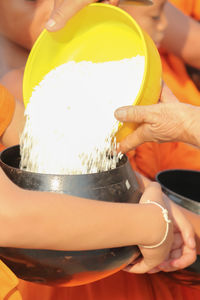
x=181 y=33
x=55 y=221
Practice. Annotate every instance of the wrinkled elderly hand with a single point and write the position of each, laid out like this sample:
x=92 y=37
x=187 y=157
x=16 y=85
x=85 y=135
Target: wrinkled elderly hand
x=166 y=121
x=65 y=9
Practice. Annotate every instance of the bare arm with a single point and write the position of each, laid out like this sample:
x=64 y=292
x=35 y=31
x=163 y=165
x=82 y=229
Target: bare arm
x=13 y=81
x=182 y=36
x=55 y=221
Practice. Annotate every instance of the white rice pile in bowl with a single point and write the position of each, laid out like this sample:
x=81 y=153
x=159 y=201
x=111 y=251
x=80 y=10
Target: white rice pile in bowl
x=70 y=124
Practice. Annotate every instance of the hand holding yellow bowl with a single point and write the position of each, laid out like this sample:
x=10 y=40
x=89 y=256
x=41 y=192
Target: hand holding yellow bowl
x=98 y=33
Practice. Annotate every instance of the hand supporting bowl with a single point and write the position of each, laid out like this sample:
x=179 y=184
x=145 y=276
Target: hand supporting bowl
x=182 y=187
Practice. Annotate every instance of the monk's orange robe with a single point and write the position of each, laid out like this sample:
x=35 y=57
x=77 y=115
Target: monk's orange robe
x=7 y=106
x=151 y=158
x=174 y=71
x=189 y=7
x=8 y=281
x=8 y=284
x=148 y=159
x=120 y=286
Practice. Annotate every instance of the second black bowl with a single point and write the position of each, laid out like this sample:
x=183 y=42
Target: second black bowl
x=182 y=187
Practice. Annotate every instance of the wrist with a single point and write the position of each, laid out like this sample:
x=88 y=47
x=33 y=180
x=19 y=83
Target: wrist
x=191 y=125
x=167 y=221
x=154 y=225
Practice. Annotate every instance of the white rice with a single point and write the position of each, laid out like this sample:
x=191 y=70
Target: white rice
x=70 y=121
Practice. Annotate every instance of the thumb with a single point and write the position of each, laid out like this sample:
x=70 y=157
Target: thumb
x=138 y=268
x=167 y=96
x=63 y=11
x=137 y=113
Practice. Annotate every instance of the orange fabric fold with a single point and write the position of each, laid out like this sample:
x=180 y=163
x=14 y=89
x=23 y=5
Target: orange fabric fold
x=7 y=107
x=8 y=284
x=189 y=7
x=120 y=286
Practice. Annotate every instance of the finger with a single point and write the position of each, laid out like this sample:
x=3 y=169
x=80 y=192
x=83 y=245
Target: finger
x=189 y=238
x=64 y=11
x=187 y=233
x=167 y=96
x=134 y=139
x=184 y=227
x=175 y=254
x=114 y=2
x=137 y=114
x=188 y=257
x=178 y=241
x=168 y=267
x=154 y=270
x=138 y=268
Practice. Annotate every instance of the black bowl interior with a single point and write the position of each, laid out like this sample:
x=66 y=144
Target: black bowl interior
x=182 y=187
x=185 y=183
x=107 y=186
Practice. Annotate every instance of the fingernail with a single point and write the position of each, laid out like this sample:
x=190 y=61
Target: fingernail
x=50 y=24
x=120 y=113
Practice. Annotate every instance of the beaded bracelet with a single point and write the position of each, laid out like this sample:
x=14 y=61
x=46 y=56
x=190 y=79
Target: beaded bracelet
x=165 y=215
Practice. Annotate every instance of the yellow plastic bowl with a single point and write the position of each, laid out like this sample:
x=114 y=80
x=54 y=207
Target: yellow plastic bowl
x=98 y=33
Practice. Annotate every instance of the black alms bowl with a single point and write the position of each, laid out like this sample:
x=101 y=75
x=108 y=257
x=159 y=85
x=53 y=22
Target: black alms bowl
x=70 y=268
x=182 y=187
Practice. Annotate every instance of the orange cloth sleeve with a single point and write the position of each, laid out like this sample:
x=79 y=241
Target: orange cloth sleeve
x=174 y=71
x=184 y=5
x=8 y=284
x=189 y=7
x=196 y=10
x=7 y=107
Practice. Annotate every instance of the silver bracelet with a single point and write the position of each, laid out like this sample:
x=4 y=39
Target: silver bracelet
x=167 y=220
